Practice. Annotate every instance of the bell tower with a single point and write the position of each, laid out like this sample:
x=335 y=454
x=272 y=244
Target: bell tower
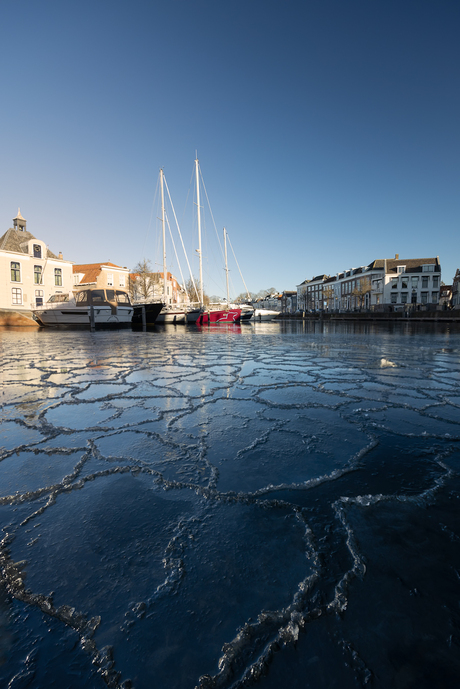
x=19 y=223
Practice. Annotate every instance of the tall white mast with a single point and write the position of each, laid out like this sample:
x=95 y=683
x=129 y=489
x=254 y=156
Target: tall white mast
x=226 y=264
x=199 y=228
x=165 y=291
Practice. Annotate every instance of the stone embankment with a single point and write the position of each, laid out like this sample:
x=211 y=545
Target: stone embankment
x=445 y=316
x=14 y=318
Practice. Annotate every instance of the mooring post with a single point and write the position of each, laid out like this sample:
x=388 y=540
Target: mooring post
x=91 y=318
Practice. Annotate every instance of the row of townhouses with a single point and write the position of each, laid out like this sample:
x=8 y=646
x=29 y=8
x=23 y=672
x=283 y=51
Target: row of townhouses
x=383 y=285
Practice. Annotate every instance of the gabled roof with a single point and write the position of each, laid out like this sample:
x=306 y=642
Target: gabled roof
x=14 y=240
x=413 y=265
x=91 y=271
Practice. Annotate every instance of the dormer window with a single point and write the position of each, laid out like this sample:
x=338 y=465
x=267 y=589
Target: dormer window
x=401 y=269
x=428 y=268
x=37 y=251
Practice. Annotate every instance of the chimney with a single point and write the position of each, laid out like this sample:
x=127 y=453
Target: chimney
x=397 y=257
x=60 y=255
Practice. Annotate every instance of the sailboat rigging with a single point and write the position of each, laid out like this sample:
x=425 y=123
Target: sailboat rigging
x=210 y=314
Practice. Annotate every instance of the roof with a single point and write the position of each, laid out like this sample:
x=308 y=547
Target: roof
x=14 y=240
x=413 y=265
x=91 y=271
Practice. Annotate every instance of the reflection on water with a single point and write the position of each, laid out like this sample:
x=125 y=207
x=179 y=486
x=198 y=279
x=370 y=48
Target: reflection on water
x=264 y=504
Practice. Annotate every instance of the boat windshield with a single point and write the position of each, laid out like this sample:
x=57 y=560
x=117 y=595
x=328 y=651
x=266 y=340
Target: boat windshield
x=97 y=296
x=58 y=297
x=122 y=297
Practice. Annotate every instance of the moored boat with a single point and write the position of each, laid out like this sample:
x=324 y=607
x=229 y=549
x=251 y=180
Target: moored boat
x=171 y=314
x=109 y=307
x=265 y=314
x=151 y=311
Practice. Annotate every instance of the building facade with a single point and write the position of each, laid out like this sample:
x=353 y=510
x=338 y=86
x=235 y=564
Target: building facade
x=151 y=287
x=102 y=275
x=456 y=290
x=383 y=284
x=29 y=272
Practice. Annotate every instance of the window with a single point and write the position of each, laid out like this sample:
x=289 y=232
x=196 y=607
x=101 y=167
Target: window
x=37 y=251
x=394 y=283
x=428 y=268
x=401 y=269
x=394 y=298
x=424 y=296
x=16 y=295
x=38 y=275
x=121 y=280
x=435 y=280
x=98 y=296
x=60 y=297
x=434 y=297
x=414 y=282
x=403 y=297
x=109 y=279
x=15 y=272
x=82 y=298
x=76 y=279
x=425 y=282
x=58 y=277
x=38 y=297
x=404 y=283
x=122 y=298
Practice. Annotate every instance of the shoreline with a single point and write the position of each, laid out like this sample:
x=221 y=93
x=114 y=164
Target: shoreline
x=398 y=316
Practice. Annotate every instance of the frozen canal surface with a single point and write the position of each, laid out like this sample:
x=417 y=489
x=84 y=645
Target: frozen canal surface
x=271 y=505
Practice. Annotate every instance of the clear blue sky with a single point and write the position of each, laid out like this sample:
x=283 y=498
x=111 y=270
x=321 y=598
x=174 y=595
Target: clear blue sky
x=327 y=130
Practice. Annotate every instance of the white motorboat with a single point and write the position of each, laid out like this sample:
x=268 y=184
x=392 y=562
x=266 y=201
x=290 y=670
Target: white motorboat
x=265 y=314
x=105 y=306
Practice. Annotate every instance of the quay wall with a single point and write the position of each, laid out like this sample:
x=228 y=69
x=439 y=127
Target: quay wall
x=9 y=317
x=449 y=316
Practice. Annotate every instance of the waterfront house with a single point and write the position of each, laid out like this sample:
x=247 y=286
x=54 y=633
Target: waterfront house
x=310 y=294
x=414 y=281
x=456 y=290
x=29 y=272
x=102 y=275
x=150 y=287
x=289 y=301
x=445 y=296
x=270 y=301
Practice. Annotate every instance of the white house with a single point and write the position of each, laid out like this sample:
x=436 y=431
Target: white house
x=102 y=275
x=29 y=272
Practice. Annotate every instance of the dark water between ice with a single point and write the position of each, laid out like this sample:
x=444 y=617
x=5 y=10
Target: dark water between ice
x=271 y=505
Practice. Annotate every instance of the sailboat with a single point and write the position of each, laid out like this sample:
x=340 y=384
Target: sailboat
x=210 y=313
x=169 y=313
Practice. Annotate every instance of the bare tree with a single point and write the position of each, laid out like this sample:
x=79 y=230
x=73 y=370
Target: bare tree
x=362 y=288
x=328 y=295
x=142 y=281
x=193 y=292
x=244 y=297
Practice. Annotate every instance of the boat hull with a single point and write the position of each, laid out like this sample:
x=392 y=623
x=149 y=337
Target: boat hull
x=171 y=317
x=81 y=316
x=219 y=316
x=265 y=315
x=152 y=311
